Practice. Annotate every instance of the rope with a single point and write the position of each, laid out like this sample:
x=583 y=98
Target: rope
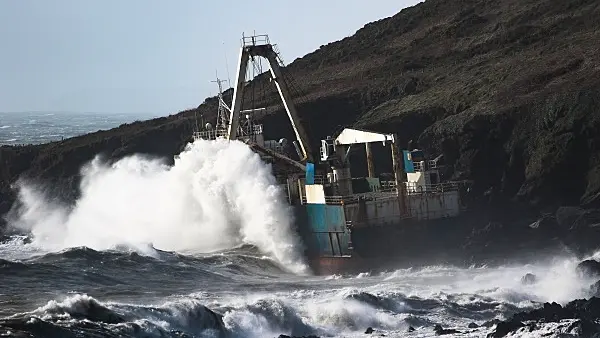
x=296 y=93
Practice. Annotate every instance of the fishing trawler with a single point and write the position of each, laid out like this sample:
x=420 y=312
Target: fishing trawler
x=347 y=224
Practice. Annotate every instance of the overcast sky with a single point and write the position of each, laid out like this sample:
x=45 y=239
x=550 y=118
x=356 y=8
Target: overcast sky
x=154 y=56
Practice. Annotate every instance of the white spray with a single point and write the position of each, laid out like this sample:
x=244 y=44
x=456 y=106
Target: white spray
x=217 y=195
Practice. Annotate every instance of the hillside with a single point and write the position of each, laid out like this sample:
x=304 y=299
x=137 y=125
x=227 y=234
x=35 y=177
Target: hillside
x=508 y=90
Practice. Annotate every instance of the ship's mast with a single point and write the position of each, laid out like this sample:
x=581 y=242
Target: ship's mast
x=260 y=46
x=223 y=110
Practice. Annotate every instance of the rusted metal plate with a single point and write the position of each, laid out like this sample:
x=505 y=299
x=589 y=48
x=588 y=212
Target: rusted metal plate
x=327 y=224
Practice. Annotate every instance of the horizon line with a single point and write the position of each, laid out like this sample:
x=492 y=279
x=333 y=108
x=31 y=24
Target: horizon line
x=76 y=112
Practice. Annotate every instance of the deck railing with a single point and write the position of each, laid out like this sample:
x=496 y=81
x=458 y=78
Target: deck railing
x=388 y=191
x=211 y=134
x=319 y=179
x=255 y=40
x=414 y=188
x=430 y=164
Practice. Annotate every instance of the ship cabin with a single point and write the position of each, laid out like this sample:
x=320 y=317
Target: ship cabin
x=336 y=203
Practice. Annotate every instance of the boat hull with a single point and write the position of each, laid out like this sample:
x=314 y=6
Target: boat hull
x=386 y=248
x=336 y=265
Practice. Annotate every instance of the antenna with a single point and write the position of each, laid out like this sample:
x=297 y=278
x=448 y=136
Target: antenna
x=227 y=66
x=223 y=108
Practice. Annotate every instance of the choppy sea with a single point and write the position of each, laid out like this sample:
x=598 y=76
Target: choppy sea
x=41 y=127
x=205 y=248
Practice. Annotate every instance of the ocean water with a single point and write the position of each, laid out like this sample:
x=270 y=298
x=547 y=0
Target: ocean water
x=205 y=248
x=41 y=127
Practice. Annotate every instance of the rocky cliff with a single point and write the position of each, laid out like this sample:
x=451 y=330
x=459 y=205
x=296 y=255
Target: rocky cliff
x=508 y=91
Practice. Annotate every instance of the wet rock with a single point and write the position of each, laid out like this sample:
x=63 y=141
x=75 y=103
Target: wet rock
x=595 y=289
x=568 y=216
x=550 y=312
x=473 y=326
x=532 y=327
x=528 y=279
x=585 y=311
x=439 y=330
x=583 y=328
x=491 y=323
x=504 y=328
x=577 y=218
x=369 y=330
x=590 y=268
x=546 y=225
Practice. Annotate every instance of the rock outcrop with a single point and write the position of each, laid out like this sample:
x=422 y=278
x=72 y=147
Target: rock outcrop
x=579 y=317
x=589 y=268
x=528 y=279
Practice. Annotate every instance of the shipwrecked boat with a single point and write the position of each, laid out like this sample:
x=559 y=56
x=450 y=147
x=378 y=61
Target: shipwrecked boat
x=347 y=223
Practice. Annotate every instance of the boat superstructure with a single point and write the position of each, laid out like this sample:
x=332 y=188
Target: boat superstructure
x=344 y=221
x=352 y=219
x=235 y=123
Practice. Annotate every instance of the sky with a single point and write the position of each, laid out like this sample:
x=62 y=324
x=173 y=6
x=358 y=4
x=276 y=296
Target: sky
x=152 y=56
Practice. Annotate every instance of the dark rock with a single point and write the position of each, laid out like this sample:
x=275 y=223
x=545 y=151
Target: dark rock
x=411 y=329
x=589 y=268
x=504 y=328
x=584 y=328
x=286 y=336
x=528 y=279
x=577 y=218
x=491 y=323
x=439 y=330
x=595 y=289
x=547 y=225
x=586 y=311
x=580 y=228
x=568 y=216
x=583 y=308
x=549 y=312
x=473 y=326
x=369 y=330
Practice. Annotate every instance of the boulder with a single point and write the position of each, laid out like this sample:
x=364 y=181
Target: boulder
x=528 y=279
x=586 y=312
x=589 y=268
x=504 y=328
x=595 y=289
x=439 y=330
x=566 y=217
